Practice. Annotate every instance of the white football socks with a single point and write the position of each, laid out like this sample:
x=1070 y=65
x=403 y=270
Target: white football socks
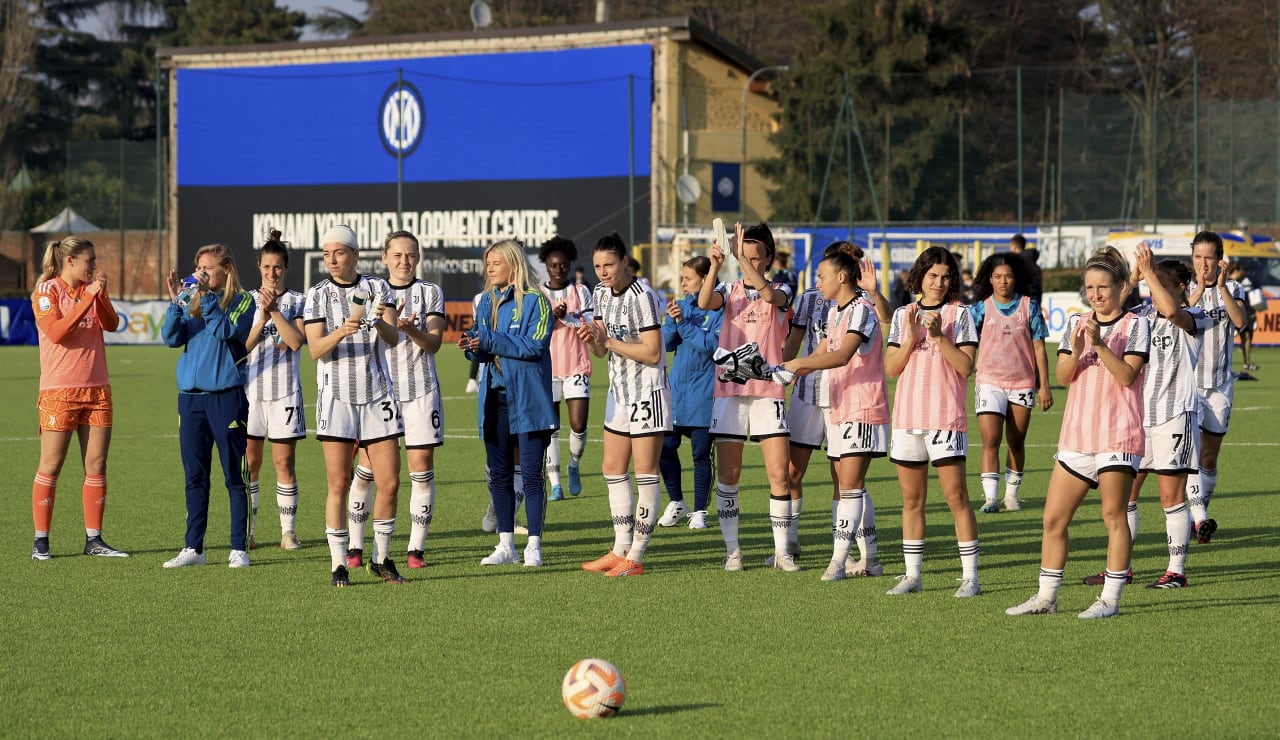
x=1050 y=582
x=338 y=541
x=913 y=556
x=793 y=529
x=865 y=535
x=848 y=514
x=422 y=501
x=1012 y=482
x=968 y=559
x=727 y=505
x=780 y=518
x=382 y=531
x=648 y=499
x=287 y=505
x=1208 y=484
x=990 y=485
x=1178 y=530
x=1114 y=585
x=553 y=459
x=1196 y=504
x=577 y=446
x=621 y=505
x=253 y=507
x=358 y=499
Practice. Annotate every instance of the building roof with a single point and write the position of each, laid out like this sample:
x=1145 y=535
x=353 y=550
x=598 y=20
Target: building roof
x=679 y=27
x=66 y=222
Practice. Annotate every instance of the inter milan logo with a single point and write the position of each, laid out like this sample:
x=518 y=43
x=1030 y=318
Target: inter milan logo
x=401 y=119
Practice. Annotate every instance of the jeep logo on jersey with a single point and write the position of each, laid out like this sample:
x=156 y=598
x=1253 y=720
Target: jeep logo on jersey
x=401 y=119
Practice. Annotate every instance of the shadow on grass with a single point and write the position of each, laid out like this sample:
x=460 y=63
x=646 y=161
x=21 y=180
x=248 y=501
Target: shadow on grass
x=666 y=709
x=1183 y=605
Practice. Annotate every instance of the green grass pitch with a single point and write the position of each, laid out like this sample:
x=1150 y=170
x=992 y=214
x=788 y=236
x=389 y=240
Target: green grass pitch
x=123 y=648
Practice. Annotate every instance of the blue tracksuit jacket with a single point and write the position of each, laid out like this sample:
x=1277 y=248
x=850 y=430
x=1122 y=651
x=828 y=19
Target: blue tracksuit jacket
x=693 y=374
x=517 y=350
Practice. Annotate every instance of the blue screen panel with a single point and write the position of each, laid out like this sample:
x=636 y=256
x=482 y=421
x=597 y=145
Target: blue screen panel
x=521 y=116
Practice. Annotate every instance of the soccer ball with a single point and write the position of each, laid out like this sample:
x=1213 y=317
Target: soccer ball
x=593 y=688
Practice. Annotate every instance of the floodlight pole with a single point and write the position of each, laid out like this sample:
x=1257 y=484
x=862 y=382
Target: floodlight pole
x=399 y=148
x=742 y=172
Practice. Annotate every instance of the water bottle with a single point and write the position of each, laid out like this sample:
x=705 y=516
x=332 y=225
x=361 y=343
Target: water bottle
x=188 y=292
x=359 y=299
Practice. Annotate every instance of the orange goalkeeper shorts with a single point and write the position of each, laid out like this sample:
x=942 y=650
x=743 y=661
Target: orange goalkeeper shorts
x=67 y=409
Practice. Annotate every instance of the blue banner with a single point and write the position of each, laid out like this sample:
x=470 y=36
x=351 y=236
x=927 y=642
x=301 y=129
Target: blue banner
x=725 y=177
x=547 y=115
x=17 y=322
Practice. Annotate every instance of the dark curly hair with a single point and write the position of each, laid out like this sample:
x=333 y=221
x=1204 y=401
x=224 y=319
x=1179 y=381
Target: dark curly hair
x=559 y=244
x=927 y=259
x=1022 y=275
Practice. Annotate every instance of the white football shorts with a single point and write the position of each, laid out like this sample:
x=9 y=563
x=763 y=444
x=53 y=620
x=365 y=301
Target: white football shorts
x=920 y=446
x=747 y=417
x=366 y=423
x=644 y=418
x=280 y=420
x=1088 y=465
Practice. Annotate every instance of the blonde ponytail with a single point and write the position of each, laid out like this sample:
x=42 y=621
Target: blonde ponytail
x=56 y=254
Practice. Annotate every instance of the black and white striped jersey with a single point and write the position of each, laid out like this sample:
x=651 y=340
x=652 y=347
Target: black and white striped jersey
x=625 y=317
x=272 y=368
x=1214 y=367
x=412 y=368
x=811 y=315
x=1169 y=385
x=355 y=371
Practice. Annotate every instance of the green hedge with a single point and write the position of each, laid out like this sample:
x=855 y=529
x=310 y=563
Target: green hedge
x=1060 y=280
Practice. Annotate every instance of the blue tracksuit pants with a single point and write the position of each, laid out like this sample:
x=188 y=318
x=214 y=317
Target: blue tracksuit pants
x=207 y=420
x=669 y=465
x=500 y=452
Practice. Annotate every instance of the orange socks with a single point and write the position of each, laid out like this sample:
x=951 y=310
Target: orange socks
x=94 y=495
x=42 y=493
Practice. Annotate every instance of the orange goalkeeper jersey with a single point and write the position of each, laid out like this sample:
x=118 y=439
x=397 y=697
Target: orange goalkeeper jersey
x=79 y=358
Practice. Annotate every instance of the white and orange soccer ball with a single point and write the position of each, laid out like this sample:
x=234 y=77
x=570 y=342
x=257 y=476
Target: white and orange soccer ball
x=593 y=688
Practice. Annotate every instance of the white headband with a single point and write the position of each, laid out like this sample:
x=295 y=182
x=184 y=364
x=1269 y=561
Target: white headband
x=340 y=235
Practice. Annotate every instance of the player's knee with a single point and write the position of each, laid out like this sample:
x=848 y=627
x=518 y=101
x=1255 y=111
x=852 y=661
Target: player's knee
x=957 y=499
x=1055 y=525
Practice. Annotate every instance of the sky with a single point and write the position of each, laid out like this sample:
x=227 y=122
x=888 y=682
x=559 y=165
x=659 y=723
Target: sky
x=99 y=25
x=311 y=7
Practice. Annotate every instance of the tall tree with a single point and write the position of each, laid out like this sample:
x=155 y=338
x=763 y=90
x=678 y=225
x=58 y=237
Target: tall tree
x=1236 y=43
x=906 y=61
x=17 y=53
x=768 y=29
x=1149 y=61
x=1050 y=42
x=333 y=23
x=221 y=22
